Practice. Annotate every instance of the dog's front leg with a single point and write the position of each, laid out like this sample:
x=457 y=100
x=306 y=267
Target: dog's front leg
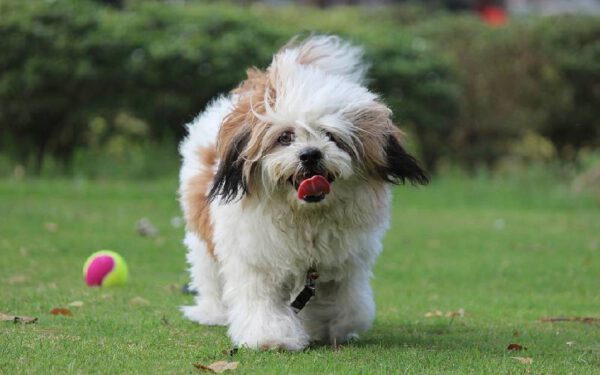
x=258 y=312
x=354 y=310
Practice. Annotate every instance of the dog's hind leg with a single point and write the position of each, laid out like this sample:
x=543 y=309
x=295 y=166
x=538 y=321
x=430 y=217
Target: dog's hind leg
x=209 y=308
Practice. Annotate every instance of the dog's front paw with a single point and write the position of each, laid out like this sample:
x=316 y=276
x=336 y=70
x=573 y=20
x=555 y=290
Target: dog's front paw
x=279 y=342
x=284 y=334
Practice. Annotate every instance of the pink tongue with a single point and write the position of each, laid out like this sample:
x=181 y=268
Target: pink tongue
x=314 y=186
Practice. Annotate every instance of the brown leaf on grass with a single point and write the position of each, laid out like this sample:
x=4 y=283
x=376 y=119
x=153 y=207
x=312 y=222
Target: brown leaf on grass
x=76 y=304
x=51 y=227
x=145 y=228
x=460 y=313
x=25 y=319
x=516 y=347
x=7 y=318
x=582 y=319
x=230 y=352
x=139 y=301
x=17 y=279
x=524 y=360
x=61 y=311
x=17 y=319
x=172 y=288
x=217 y=367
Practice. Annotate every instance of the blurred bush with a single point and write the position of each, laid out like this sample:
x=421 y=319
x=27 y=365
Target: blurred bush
x=70 y=70
x=65 y=64
x=86 y=87
x=529 y=91
x=572 y=44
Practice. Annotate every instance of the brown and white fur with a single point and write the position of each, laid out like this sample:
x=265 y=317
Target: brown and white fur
x=250 y=239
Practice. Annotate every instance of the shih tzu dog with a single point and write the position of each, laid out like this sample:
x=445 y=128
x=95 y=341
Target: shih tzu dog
x=285 y=187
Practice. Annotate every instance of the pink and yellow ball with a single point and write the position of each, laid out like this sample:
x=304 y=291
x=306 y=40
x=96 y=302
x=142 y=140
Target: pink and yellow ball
x=105 y=268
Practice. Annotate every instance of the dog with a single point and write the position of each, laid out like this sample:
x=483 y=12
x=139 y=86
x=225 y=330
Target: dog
x=285 y=188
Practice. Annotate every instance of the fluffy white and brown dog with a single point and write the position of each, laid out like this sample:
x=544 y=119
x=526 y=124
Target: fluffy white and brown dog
x=291 y=174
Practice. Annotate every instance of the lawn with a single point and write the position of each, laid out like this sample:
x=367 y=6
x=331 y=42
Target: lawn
x=506 y=252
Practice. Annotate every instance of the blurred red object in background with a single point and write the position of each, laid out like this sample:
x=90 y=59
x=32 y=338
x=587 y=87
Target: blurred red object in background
x=493 y=15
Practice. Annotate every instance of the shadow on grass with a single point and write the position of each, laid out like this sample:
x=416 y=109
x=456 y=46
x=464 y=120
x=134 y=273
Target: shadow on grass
x=442 y=335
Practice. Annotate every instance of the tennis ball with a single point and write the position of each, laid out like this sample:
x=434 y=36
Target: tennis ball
x=105 y=268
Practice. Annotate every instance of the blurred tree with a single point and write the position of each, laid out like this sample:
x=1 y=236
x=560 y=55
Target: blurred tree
x=113 y=3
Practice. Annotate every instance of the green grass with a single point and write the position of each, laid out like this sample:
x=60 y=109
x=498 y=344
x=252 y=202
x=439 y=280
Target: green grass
x=506 y=251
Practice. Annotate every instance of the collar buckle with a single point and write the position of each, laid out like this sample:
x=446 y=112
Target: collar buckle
x=309 y=291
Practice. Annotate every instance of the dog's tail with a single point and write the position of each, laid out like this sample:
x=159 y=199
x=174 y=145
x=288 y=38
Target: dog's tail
x=329 y=53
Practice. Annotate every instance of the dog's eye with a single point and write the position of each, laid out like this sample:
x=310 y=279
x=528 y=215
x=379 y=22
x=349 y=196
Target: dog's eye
x=331 y=137
x=286 y=138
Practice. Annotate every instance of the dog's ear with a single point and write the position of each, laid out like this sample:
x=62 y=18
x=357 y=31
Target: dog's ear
x=399 y=166
x=381 y=151
x=238 y=141
x=229 y=179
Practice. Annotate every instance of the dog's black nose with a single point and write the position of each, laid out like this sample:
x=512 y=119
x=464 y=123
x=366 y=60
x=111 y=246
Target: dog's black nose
x=310 y=155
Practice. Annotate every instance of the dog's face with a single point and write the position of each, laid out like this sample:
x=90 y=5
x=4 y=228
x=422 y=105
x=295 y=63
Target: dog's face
x=300 y=151
x=299 y=131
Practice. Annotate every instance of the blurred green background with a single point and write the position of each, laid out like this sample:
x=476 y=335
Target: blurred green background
x=102 y=89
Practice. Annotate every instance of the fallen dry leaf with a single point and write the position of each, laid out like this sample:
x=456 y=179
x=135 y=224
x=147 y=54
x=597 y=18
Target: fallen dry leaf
x=139 y=301
x=17 y=319
x=25 y=319
x=217 y=367
x=434 y=313
x=458 y=313
x=582 y=319
x=17 y=279
x=524 y=360
x=7 y=318
x=61 y=311
x=51 y=227
x=570 y=343
x=172 y=288
x=516 y=347
x=230 y=352
x=145 y=228
x=450 y=314
x=76 y=304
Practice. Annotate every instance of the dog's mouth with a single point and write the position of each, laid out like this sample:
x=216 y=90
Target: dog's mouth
x=312 y=187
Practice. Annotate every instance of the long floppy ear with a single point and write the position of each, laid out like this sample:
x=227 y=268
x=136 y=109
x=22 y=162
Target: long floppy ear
x=237 y=143
x=400 y=166
x=229 y=180
x=382 y=154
